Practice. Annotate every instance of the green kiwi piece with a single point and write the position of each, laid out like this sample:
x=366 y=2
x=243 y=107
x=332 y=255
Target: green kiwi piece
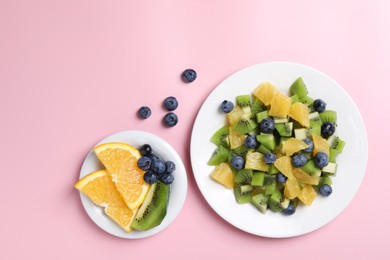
x=243 y=177
x=219 y=156
x=241 y=198
x=274 y=202
x=262 y=149
x=240 y=151
x=336 y=146
x=310 y=167
x=245 y=125
x=260 y=201
x=220 y=137
x=258 y=178
x=154 y=208
x=325 y=179
x=285 y=129
x=273 y=170
x=243 y=100
x=294 y=98
x=329 y=116
x=299 y=88
x=261 y=115
x=308 y=101
x=269 y=184
x=257 y=106
x=268 y=140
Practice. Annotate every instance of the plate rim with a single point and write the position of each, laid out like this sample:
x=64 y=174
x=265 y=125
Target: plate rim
x=363 y=132
x=112 y=228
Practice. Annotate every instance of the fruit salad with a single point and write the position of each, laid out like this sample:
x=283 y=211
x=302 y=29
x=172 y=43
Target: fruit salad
x=276 y=151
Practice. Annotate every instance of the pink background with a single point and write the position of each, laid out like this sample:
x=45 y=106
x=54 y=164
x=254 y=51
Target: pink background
x=73 y=72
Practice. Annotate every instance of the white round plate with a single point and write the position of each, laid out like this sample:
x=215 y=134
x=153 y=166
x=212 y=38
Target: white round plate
x=178 y=187
x=351 y=163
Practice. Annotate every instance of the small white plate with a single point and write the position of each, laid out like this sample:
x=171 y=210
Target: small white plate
x=178 y=187
x=351 y=163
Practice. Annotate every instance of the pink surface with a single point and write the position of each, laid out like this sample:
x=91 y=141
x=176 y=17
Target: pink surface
x=73 y=72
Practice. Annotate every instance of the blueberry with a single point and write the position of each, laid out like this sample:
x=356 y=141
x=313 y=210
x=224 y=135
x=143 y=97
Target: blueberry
x=269 y=158
x=237 y=162
x=290 y=210
x=325 y=190
x=250 y=142
x=321 y=159
x=170 y=166
x=144 y=112
x=150 y=177
x=267 y=125
x=158 y=166
x=189 y=75
x=227 y=106
x=145 y=149
x=167 y=178
x=308 y=141
x=319 y=105
x=327 y=129
x=153 y=156
x=170 y=119
x=171 y=103
x=144 y=163
x=281 y=178
x=298 y=160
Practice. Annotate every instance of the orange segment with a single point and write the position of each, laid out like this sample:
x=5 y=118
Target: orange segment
x=280 y=105
x=224 y=175
x=100 y=189
x=120 y=161
x=234 y=116
x=320 y=144
x=283 y=164
x=307 y=195
x=292 y=188
x=306 y=178
x=293 y=145
x=300 y=113
x=265 y=92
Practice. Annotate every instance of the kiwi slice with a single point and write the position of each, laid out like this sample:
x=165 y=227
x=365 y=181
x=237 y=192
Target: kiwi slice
x=219 y=156
x=245 y=124
x=269 y=184
x=243 y=178
x=220 y=137
x=299 y=88
x=294 y=98
x=268 y=140
x=261 y=115
x=329 y=116
x=311 y=168
x=257 y=106
x=277 y=202
x=336 y=146
x=285 y=129
x=240 y=151
x=273 y=170
x=258 y=178
x=262 y=149
x=241 y=198
x=325 y=179
x=260 y=201
x=154 y=208
x=243 y=100
x=308 y=101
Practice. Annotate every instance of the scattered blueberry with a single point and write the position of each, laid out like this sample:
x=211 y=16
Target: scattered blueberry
x=308 y=141
x=237 y=162
x=227 y=106
x=267 y=125
x=167 y=178
x=144 y=112
x=189 y=75
x=158 y=166
x=327 y=129
x=145 y=149
x=281 y=178
x=251 y=142
x=150 y=177
x=299 y=160
x=170 y=166
x=144 y=163
x=325 y=190
x=170 y=119
x=319 y=105
x=269 y=158
x=290 y=210
x=321 y=159
x=153 y=156
x=171 y=103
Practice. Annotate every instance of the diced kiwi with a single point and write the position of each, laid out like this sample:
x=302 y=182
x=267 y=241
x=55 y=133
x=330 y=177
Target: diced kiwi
x=220 y=137
x=258 y=178
x=243 y=177
x=245 y=124
x=246 y=188
x=241 y=198
x=278 y=120
x=268 y=140
x=257 y=106
x=299 y=88
x=243 y=100
x=329 y=116
x=301 y=133
x=284 y=129
x=219 y=156
x=308 y=101
x=273 y=170
x=325 y=179
x=310 y=167
x=331 y=168
x=260 y=201
x=241 y=150
x=261 y=115
x=294 y=98
x=269 y=184
x=336 y=146
x=315 y=128
x=276 y=200
x=262 y=149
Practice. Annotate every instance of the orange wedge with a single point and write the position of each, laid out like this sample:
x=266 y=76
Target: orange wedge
x=224 y=175
x=99 y=188
x=120 y=161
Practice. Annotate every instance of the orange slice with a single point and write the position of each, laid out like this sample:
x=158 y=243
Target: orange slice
x=307 y=195
x=99 y=188
x=280 y=105
x=224 y=175
x=293 y=145
x=265 y=92
x=300 y=113
x=320 y=144
x=120 y=161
